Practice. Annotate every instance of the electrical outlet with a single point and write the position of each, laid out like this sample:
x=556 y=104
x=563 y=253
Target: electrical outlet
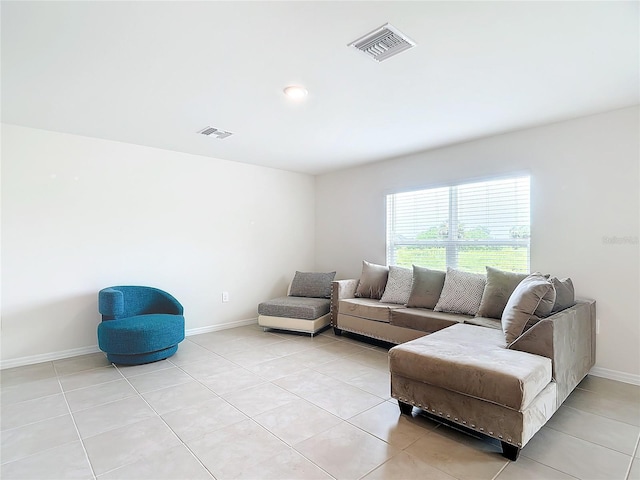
x=225 y=297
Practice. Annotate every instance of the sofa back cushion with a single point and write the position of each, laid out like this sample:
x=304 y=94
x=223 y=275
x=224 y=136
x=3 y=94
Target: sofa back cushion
x=312 y=284
x=500 y=285
x=372 y=281
x=426 y=287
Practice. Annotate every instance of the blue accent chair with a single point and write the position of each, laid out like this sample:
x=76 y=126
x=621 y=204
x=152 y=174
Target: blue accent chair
x=139 y=324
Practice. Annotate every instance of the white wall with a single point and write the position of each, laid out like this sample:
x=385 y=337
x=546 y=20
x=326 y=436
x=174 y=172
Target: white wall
x=81 y=214
x=584 y=187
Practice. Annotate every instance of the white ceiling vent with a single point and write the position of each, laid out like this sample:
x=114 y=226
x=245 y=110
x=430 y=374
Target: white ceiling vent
x=383 y=43
x=219 y=134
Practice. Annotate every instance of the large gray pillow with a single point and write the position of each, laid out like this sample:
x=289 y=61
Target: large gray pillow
x=522 y=304
x=312 y=284
x=565 y=294
x=426 y=288
x=500 y=285
x=372 y=281
x=461 y=293
x=398 y=285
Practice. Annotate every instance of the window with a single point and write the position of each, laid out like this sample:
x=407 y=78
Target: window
x=465 y=226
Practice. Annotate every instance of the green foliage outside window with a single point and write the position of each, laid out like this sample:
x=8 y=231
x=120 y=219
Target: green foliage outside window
x=472 y=259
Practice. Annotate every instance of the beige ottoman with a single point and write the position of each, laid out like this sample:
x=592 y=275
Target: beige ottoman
x=466 y=375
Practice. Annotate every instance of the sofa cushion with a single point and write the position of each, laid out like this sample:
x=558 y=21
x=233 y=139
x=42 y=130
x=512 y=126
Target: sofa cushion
x=473 y=361
x=565 y=294
x=398 y=285
x=305 y=308
x=312 y=284
x=367 y=308
x=461 y=293
x=484 y=322
x=500 y=285
x=426 y=287
x=425 y=320
x=373 y=280
x=522 y=304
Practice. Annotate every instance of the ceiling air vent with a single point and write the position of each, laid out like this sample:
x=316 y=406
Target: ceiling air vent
x=383 y=43
x=219 y=134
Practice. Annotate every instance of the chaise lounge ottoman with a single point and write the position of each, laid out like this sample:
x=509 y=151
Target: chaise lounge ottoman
x=468 y=375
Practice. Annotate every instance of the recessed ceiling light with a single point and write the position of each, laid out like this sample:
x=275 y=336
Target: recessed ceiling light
x=295 y=92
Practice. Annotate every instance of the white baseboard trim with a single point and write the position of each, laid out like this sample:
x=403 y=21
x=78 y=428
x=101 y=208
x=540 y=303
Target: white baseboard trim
x=49 y=357
x=615 y=375
x=221 y=326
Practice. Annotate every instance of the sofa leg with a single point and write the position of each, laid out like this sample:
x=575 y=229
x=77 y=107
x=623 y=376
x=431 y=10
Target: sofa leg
x=510 y=452
x=405 y=408
x=337 y=331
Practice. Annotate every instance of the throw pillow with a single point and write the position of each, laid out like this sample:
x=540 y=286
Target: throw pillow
x=312 y=284
x=547 y=302
x=426 y=287
x=522 y=304
x=500 y=286
x=372 y=281
x=461 y=293
x=398 y=285
x=565 y=294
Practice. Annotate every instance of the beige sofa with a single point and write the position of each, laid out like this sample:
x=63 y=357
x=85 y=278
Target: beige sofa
x=460 y=367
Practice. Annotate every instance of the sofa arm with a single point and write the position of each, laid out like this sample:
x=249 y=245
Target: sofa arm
x=568 y=339
x=341 y=289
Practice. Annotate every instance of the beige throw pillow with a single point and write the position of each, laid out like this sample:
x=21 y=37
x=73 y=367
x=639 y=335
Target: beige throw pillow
x=426 y=288
x=522 y=304
x=500 y=285
x=372 y=281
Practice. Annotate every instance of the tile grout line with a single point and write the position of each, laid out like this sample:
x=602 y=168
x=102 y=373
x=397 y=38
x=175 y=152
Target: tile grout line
x=593 y=392
x=292 y=447
x=165 y=423
x=633 y=457
x=75 y=425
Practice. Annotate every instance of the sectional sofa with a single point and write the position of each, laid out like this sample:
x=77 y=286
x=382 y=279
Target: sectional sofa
x=497 y=353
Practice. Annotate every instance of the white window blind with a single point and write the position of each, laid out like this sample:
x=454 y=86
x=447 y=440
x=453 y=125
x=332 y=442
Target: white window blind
x=467 y=226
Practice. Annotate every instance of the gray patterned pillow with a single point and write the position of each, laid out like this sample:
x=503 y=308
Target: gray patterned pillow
x=462 y=292
x=398 y=286
x=312 y=284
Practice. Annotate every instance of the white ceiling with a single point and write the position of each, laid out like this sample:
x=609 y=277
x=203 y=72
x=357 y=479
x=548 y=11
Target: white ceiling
x=154 y=73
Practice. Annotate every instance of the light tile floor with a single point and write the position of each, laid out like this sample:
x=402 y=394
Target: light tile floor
x=243 y=403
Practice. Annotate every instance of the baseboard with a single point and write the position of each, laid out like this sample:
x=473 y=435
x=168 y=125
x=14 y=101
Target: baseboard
x=49 y=357
x=221 y=326
x=615 y=375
